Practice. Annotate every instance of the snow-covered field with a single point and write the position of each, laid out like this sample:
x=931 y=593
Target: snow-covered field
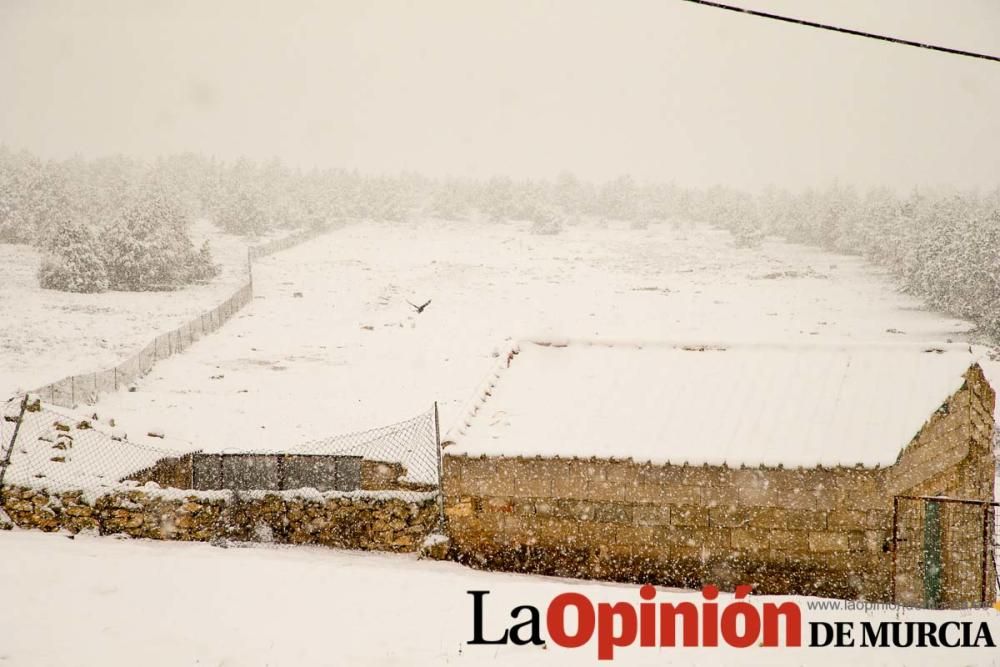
x=349 y=353
x=104 y=601
x=46 y=335
x=331 y=345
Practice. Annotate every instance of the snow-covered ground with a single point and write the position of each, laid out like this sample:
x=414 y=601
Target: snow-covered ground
x=46 y=335
x=330 y=344
x=105 y=601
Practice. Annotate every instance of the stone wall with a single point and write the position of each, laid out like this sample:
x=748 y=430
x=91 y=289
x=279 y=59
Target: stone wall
x=348 y=521
x=174 y=472
x=952 y=457
x=803 y=531
x=388 y=475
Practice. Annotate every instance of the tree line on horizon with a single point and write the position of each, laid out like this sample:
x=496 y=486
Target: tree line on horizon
x=120 y=223
x=941 y=245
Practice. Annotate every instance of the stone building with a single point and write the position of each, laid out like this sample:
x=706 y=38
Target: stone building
x=797 y=469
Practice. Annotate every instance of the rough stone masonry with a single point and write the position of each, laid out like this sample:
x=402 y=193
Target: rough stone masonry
x=377 y=522
x=814 y=531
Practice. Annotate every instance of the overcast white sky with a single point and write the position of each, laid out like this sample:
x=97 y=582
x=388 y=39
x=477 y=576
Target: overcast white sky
x=661 y=89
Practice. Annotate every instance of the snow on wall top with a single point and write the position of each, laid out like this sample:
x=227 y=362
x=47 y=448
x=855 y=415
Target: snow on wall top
x=753 y=405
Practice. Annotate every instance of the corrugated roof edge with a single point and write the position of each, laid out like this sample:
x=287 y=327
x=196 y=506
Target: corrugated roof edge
x=481 y=394
x=682 y=464
x=723 y=344
x=485 y=388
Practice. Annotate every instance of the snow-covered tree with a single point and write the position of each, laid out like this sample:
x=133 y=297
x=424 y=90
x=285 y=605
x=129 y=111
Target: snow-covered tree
x=547 y=220
x=73 y=260
x=450 y=201
x=496 y=199
x=242 y=214
x=147 y=248
x=618 y=199
x=571 y=195
x=202 y=265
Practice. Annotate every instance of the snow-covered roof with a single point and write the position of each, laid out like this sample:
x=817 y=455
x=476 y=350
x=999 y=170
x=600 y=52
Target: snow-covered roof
x=753 y=405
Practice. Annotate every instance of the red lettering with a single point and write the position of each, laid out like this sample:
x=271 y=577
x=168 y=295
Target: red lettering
x=668 y=623
x=647 y=617
x=793 y=623
x=710 y=622
x=751 y=621
x=607 y=640
x=621 y=624
x=555 y=620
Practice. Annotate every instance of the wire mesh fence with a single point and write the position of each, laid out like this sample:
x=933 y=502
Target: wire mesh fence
x=86 y=388
x=286 y=242
x=45 y=447
x=995 y=547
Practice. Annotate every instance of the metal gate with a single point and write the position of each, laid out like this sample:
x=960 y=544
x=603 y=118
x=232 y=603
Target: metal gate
x=944 y=552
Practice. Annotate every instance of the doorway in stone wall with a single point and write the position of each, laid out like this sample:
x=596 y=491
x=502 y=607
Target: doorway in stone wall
x=943 y=552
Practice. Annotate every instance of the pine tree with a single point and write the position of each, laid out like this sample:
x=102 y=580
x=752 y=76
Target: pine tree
x=202 y=266
x=73 y=260
x=243 y=215
x=147 y=248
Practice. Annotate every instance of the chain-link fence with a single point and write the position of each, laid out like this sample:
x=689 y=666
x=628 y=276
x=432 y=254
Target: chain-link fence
x=44 y=447
x=86 y=388
x=286 y=242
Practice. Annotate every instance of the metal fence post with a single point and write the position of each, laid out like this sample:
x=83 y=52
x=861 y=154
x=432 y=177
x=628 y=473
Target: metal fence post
x=10 y=449
x=895 y=542
x=437 y=440
x=993 y=548
x=986 y=554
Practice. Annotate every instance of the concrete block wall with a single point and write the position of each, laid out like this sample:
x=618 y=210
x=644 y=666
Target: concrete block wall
x=252 y=472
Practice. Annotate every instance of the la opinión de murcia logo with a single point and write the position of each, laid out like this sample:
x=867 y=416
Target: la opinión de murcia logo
x=572 y=620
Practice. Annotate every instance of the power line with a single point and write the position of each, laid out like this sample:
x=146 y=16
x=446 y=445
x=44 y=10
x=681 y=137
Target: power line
x=848 y=31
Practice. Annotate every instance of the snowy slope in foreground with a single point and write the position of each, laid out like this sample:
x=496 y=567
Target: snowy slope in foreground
x=122 y=602
x=350 y=354
x=792 y=405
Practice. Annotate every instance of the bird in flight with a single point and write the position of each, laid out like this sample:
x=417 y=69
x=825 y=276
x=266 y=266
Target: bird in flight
x=417 y=308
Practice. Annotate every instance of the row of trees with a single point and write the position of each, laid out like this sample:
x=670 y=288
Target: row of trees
x=145 y=248
x=568 y=198
x=942 y=246
x=249 y=198
x=119 y=223
x=116 y=223
x=111 y=223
